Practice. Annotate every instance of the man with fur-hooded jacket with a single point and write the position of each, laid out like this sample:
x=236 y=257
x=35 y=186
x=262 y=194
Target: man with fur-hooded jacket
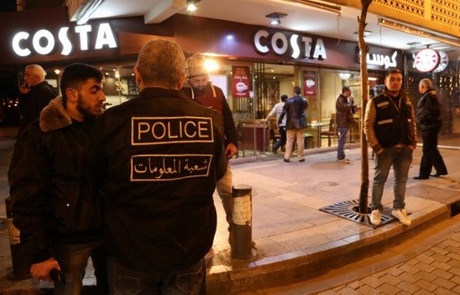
x=59 y=226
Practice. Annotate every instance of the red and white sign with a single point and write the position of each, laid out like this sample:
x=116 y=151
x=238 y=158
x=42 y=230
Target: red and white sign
x=241 y=81
x=427 y=60
x=309 y=83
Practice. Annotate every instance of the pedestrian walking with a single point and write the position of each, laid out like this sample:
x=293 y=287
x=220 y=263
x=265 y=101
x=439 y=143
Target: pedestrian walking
x=296 y=123
x=390 y=129
x=276 y=111
x=429 y=121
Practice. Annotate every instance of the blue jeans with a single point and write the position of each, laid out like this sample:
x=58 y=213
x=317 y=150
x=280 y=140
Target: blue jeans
x=342 y=139
x=72 y=260
x=126 y=281
x=400 y=158
x=282 y=141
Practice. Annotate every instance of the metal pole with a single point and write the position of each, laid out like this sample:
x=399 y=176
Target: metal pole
x=242 y=222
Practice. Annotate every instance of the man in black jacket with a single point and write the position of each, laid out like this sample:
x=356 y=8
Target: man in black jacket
x=156 y=159
x=59 y=225
x=429 y=120
x=35 y=94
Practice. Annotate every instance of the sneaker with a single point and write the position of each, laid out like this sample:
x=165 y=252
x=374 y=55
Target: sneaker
x=376 y=217
x=344 y=161
x=402 y=216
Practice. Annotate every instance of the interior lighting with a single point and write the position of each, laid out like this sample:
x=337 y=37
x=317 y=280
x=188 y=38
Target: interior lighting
x=211 y=65
x=344 y=76
x=275 y=18
x=191 y=5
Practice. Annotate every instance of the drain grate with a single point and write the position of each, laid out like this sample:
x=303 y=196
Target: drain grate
x=349 y=210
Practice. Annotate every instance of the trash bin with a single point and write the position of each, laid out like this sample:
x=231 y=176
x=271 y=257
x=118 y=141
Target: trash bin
x=242 y=222
x=21 y=266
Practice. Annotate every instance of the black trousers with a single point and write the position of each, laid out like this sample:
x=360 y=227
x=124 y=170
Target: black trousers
x=431 y=156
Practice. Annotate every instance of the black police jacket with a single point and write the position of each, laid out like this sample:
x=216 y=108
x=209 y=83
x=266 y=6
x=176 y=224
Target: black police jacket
x=156 y=159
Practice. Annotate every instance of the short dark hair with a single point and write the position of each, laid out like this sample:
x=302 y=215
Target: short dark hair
x=392 y=71
x=297 y=90
x=345 y=88
x=284 y=97
x=76 y=75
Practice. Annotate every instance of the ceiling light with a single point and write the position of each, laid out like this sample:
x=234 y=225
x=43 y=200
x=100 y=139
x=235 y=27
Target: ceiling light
x=191 y=5
x=275 y=18
x=415 y=31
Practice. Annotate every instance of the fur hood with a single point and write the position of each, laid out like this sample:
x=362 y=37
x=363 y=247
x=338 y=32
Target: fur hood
x=54 y=116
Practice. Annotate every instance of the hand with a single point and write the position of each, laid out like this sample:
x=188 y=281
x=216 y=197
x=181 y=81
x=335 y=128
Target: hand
x=42 y=269
x=230 y=150
x=24 y=89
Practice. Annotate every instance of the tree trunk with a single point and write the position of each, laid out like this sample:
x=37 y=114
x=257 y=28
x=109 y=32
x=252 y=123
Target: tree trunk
x=364 y=49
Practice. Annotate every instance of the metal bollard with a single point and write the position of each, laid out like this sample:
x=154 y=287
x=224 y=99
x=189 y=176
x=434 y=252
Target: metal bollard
x=242 y=222
x=21 y=266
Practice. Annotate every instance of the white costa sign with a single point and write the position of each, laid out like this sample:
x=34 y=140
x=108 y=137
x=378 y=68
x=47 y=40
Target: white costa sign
x=280 y=43
x=44 y=41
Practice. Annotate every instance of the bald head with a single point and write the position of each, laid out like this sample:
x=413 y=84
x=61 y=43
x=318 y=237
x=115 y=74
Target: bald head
x=34 y=74
x=161 y=63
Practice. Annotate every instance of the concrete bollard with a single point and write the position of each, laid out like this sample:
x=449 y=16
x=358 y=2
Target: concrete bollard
x=242 y=222
x=21 y=266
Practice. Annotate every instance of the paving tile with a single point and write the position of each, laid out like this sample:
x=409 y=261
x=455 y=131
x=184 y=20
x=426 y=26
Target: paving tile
x=426 y=285
x=444 y=283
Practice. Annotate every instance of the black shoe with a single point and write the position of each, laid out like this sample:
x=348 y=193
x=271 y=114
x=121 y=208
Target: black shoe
x=286 y=160
x=302 y=160
x=421 y=177
x=438 y=174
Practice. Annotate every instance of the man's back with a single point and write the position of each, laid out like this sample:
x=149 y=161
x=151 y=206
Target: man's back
x=165 y=154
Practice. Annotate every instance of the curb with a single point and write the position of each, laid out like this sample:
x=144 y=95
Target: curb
x=301 y=265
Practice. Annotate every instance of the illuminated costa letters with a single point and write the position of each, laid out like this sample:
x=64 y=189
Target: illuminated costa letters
x=280 y=43
x=44 y=42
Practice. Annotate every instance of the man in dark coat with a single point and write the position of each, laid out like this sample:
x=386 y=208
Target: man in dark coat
x=156 y=160
x=296 y=122
x=429 y=120
x=35 y=94
x=58 y=223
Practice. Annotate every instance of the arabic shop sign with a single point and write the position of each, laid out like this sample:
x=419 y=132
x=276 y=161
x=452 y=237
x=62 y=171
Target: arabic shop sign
x=280 y=43
x=382 y=60
x=44 y=42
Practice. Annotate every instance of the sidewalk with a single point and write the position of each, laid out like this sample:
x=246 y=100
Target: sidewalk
x=294 y=238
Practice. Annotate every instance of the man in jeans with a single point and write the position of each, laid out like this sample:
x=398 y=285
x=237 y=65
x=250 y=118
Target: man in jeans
x=59 y=223
x=277 y=110
x=390 y=128
x=344 y=118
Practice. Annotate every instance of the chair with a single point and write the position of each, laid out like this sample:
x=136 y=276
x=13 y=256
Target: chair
x=331 y=132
